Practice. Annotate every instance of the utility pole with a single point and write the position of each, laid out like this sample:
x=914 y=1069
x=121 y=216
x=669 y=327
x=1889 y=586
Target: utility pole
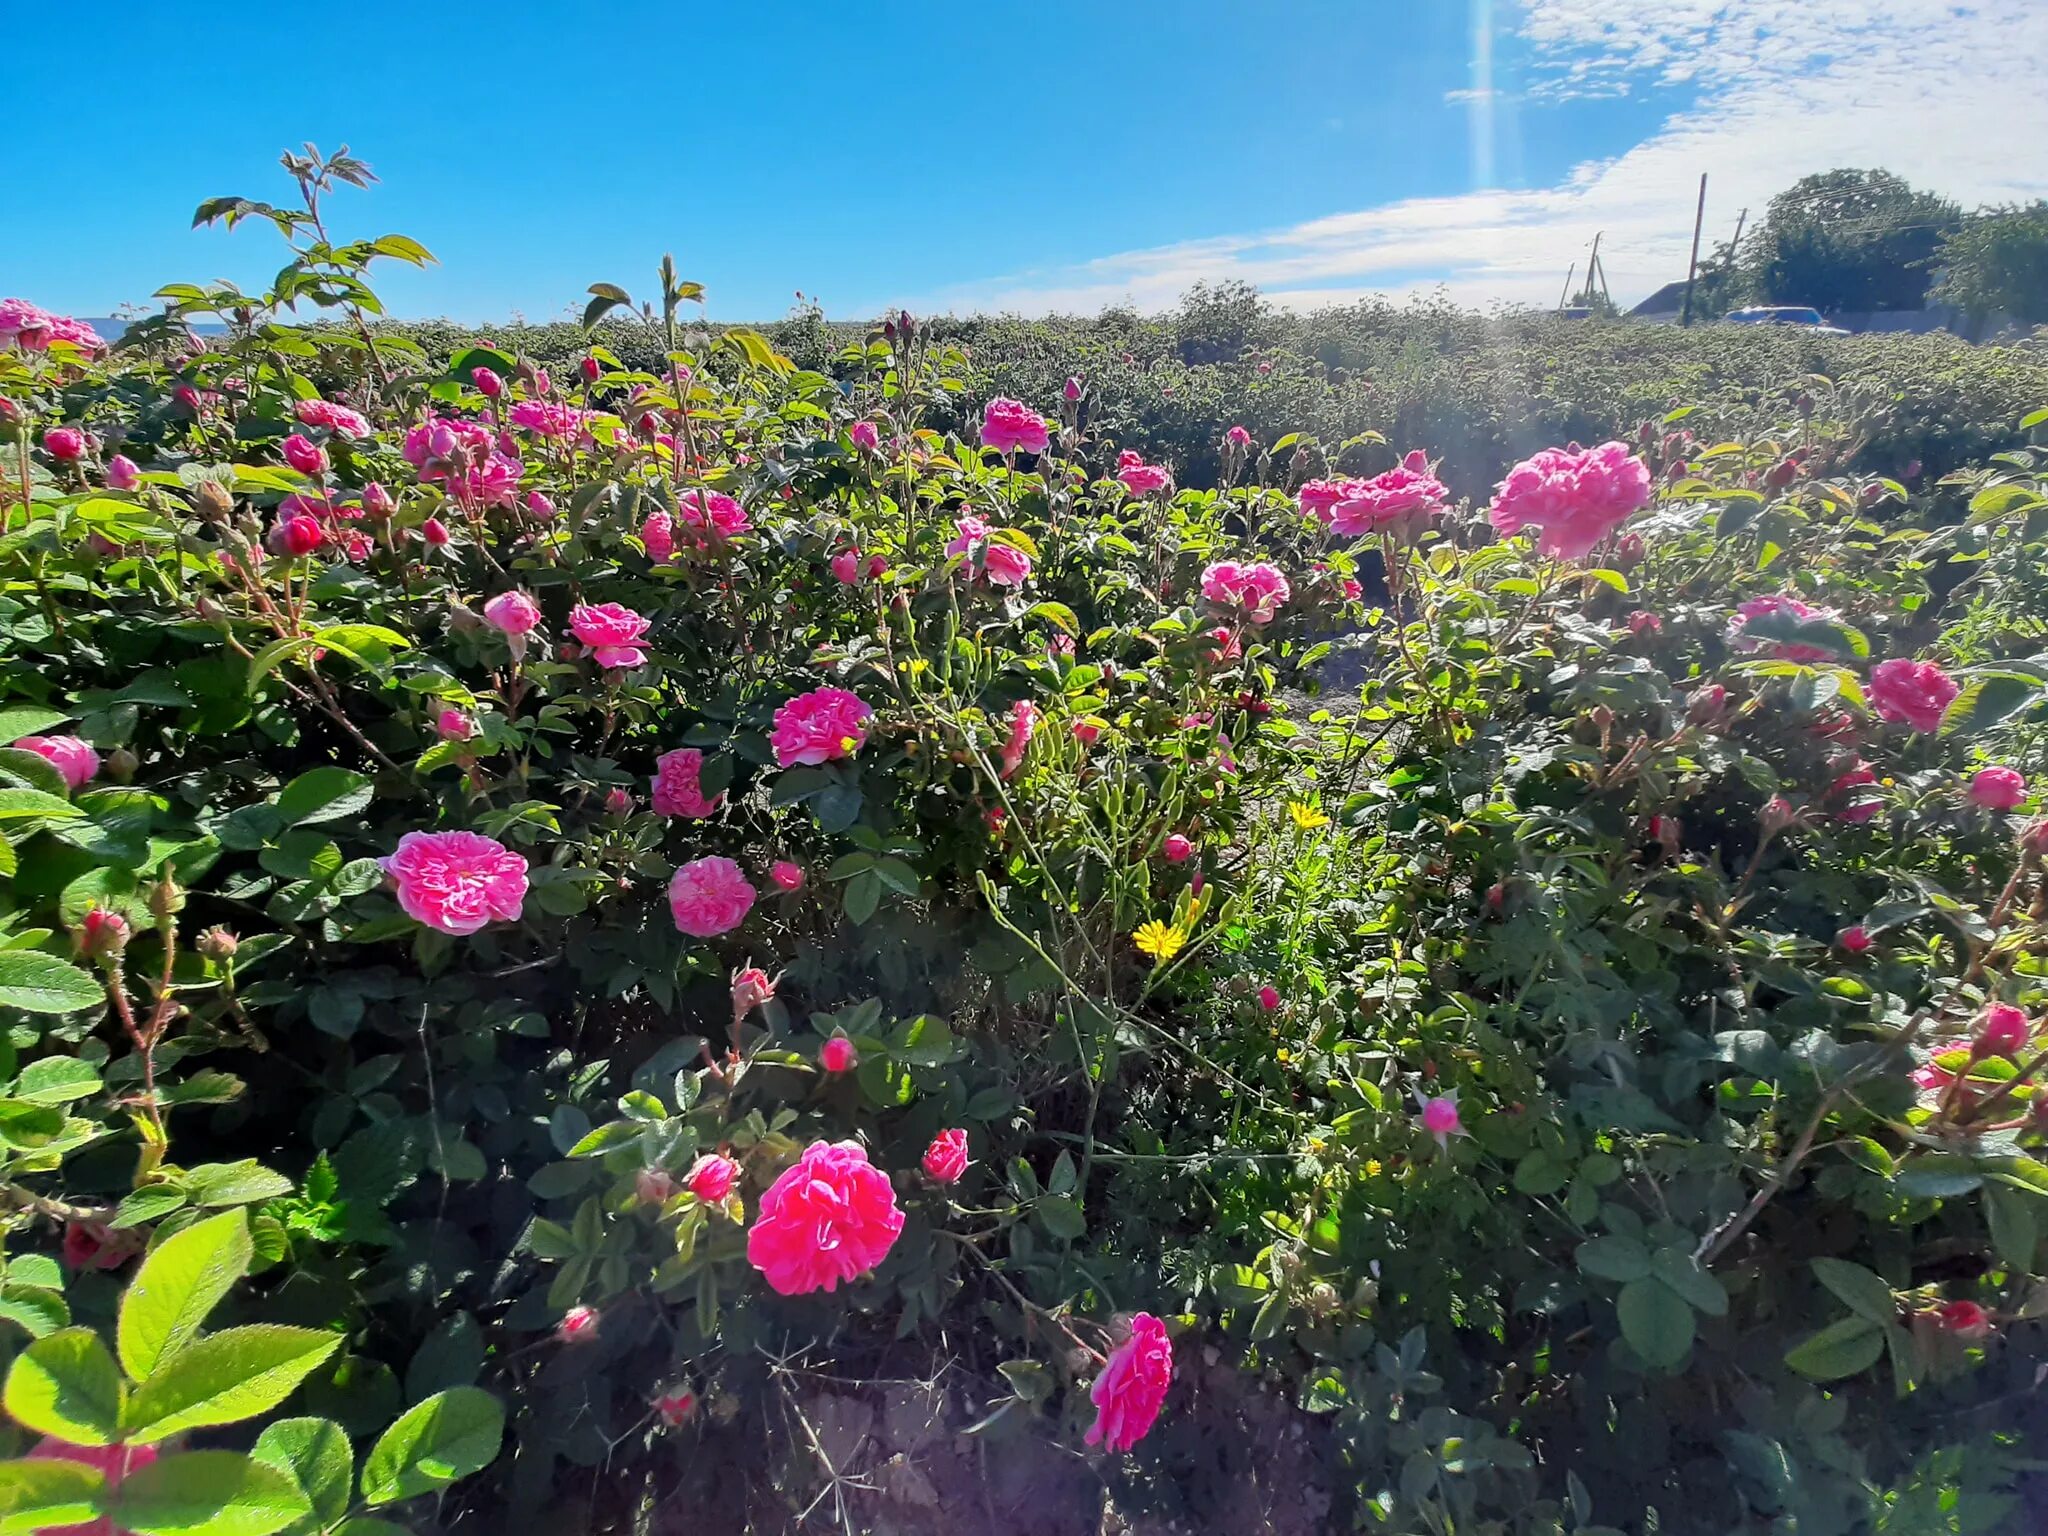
x=1692 y=267
x=1564 y=297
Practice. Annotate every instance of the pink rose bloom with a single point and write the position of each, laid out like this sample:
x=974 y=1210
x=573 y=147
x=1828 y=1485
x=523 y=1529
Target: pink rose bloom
x=865 y=436
x=819 y=726
x=488 y=384
x=1237 y=437
x=878 y=567
x=2004 y=1032
x=1765 y=607
x=1855 y=940
x=1132 y=1387
x=377 y=501
x=538 y=505
x=969 y=531
x=1439 y=1117
x=618 y=802
x=1998 y=789
x=1965 y=1319
x=1394 y=500
x=846 y=567
x=1176 y=848
x=1914 y=692
x=1258 y=588
x=658 y=534
x=1140 y=478
x=1007 y=565
x=122 y=473
x=546 y=418
x=1010 y=426
x=70 y=756
x=457 y=882
x=1576 y=497
x=1023 y=721
x=32 y=329
x=653 y=1186
x=494 y=483
x=305 y=455
x=1086 y=732
x=712 y=1177
x=837 y=1055
x=335 y=418
x=454 y=725
x=1859 y=808
x=830 y=1217
x=94 y=1245
x=294 y=535
x=512 y=613
x=64 y=444
x=709 y=896
x=945 y=1160
x=787 y=876
x=610 y=632
x=1269 y=998
x=1643 y=622
x=114 y=1463
x=435 y=532
x=1319 y=498
x=713 y=509
x=676 y=785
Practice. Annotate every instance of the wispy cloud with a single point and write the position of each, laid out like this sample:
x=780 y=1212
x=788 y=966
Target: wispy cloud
x=1945 y=94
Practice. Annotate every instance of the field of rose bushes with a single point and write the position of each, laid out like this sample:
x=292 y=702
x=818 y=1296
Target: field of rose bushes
x=580 y=943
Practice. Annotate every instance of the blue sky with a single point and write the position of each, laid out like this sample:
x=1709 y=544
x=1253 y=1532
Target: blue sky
x=1058 y=156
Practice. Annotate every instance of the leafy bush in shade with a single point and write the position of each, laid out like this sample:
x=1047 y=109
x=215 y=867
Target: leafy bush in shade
x=553 y=905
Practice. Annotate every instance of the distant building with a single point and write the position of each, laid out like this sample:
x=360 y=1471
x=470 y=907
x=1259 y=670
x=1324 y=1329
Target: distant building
x=1662 y=307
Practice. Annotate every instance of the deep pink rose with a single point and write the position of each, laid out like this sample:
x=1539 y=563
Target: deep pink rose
x=1010 y=426
x=546 y=418
x=818 y=726
x=1856 y=806
x=2003 y=1032
x=1319 y=498
x=1914 y=692
x=1023 y=721
x=487 y=381
x=1269 y=998
x=866 y=437
x=1237 y=437
x=659 y=535
x=335 y=418
x=838 y=1055
x=610 y=632
x=294 y=534
x=787 y=876
x=1390 y=502
x=457 y=882
x=828 y=1218
x=1576 y=497
x=1998 y=788
x=714 y=510
x=945 y=1160
x=454 y=725
x=72 y=757
x=1140 y=478
x=435 y=532
x=712 y=1177
x=1854 y=940
x=305 y=455
x=1132 y=1387
x=578 y=1326
x=1258 y=588
x=709 y=896
x=676 y=785
x=512 y=613
x=619 y=802
x=64 y=444
x=846 y=567
x=1176 y=848
x=539 y=505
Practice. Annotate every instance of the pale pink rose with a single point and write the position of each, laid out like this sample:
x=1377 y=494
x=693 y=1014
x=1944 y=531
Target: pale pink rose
x=818 y=726
x=709 y=896
x=1007 y=565
x=1575 y=496
x=66 y=445
x=787 y=876
x=712 y=1177
x=619 y=802
x=1023 y=721
x=838 y=1055
x=335 y=418
x=830 y=1217
x=1913 y=692
x=546 y=418
x=1010 y=426
x=1257 y=587
x=454 y=725
x=866 y=437
x=305 y=455
x=611 y=633
x=676 y=785
x=1394 y=501
x=73 y=758
x=1766 y=607
x=24 y=325
x=1998 y=788
x=846 y=567
x=945 y=1160
x=512 y=613
x=123 y=473
x=457 y=882
x=713 y=510
x=1132 y=1387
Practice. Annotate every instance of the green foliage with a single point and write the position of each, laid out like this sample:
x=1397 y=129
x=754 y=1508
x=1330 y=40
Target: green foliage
x=1997 y=263
x=1849 y=240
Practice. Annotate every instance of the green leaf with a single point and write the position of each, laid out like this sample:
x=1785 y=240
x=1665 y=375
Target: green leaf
x=178 y=1284
x=243 y=1183
x=1614 y=1258
x=1612 y=579
x=1843 y=1348
x=38 y=983
x=1656 y=1321
x=56 y=1080
x=66 y=1385
x=435 y=1443
x=1986 y=701
x=1062 y=1217
x=2014 y=1231
x=323 y=794
x=19 y=720
x=1863 y=1291
x=1678 y=1269
x=37 y=1310
x=1541 y=1173
x=224 y=1378
x=147 y=1204
x=863 y=894
x=46 y=1494
x=208 y=1493
x=1059 y=613
x=317 y=1455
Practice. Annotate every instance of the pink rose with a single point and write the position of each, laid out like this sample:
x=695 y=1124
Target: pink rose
x=1006 y=564
x=2004 y=1032
x=114 y=1463
x=1393 y=501
x=751 y=987
x=377 y=501
x=1086 y=732
x=838 y=1055
x=1998 y=789
x=1010 y=426
x=1768 y=607
x=64 y=444
x=305 y=455
x=709 y=896
x=1176 y=848
x=454 y=725
x=24 y=325
x=488 y=384
x=1237 y=437
x=293 y=535
x=73 y=758
x=1319 y=498
x=512 y=613
x=712 y=1177
x=101 y=932
x=539 y=505
x=674 y=1407
x=818 y=726
x=435 y=532
x=676 y=785
x=618 y=802
x=1965 y=1319
x=1576 y=497
x=846 y=567
x=578 y=1326
x=1914 y=692
x=786 y=875
x=658 y=534
x=546 y=418
x=945 y=1160
x=610 y=632
x=1858 y=807
x=1132 y=1387
x=122 y=473
x=1258 y=588
x=1023 y=721
x=1854 y=940
x=1269 y=998
x=1140 y=478
x=335 y=418
x=830 y=1217
x=456 y=882
x=653 y=1186
x=865 y=436
x=1439 y=1118
x=713 y=510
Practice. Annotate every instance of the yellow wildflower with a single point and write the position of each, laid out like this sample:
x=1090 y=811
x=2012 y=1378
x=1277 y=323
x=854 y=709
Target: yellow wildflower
x=1374 y=1168
x=1306 y=816
x=1159 y=940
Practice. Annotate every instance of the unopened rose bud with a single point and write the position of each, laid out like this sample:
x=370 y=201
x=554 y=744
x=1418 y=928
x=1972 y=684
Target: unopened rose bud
x=218 y=943
x=213 y=500
x=121 y=765
x=377 y=501
x=578 y=1326
x=653 y=1186
x=102 y=934
x=1776 y=815
x=591 y=368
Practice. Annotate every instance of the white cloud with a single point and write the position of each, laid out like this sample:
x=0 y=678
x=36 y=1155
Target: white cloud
x=1947 y=95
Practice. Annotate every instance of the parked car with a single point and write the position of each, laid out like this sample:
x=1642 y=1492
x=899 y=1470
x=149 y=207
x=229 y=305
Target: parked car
x=1804 y=316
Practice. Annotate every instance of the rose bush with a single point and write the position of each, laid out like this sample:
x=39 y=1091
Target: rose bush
x=494 y=892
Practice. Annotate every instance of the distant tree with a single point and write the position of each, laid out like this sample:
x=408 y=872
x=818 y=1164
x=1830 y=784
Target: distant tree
x=1997 y=261
x=1848 y=240
x=1216 y=322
